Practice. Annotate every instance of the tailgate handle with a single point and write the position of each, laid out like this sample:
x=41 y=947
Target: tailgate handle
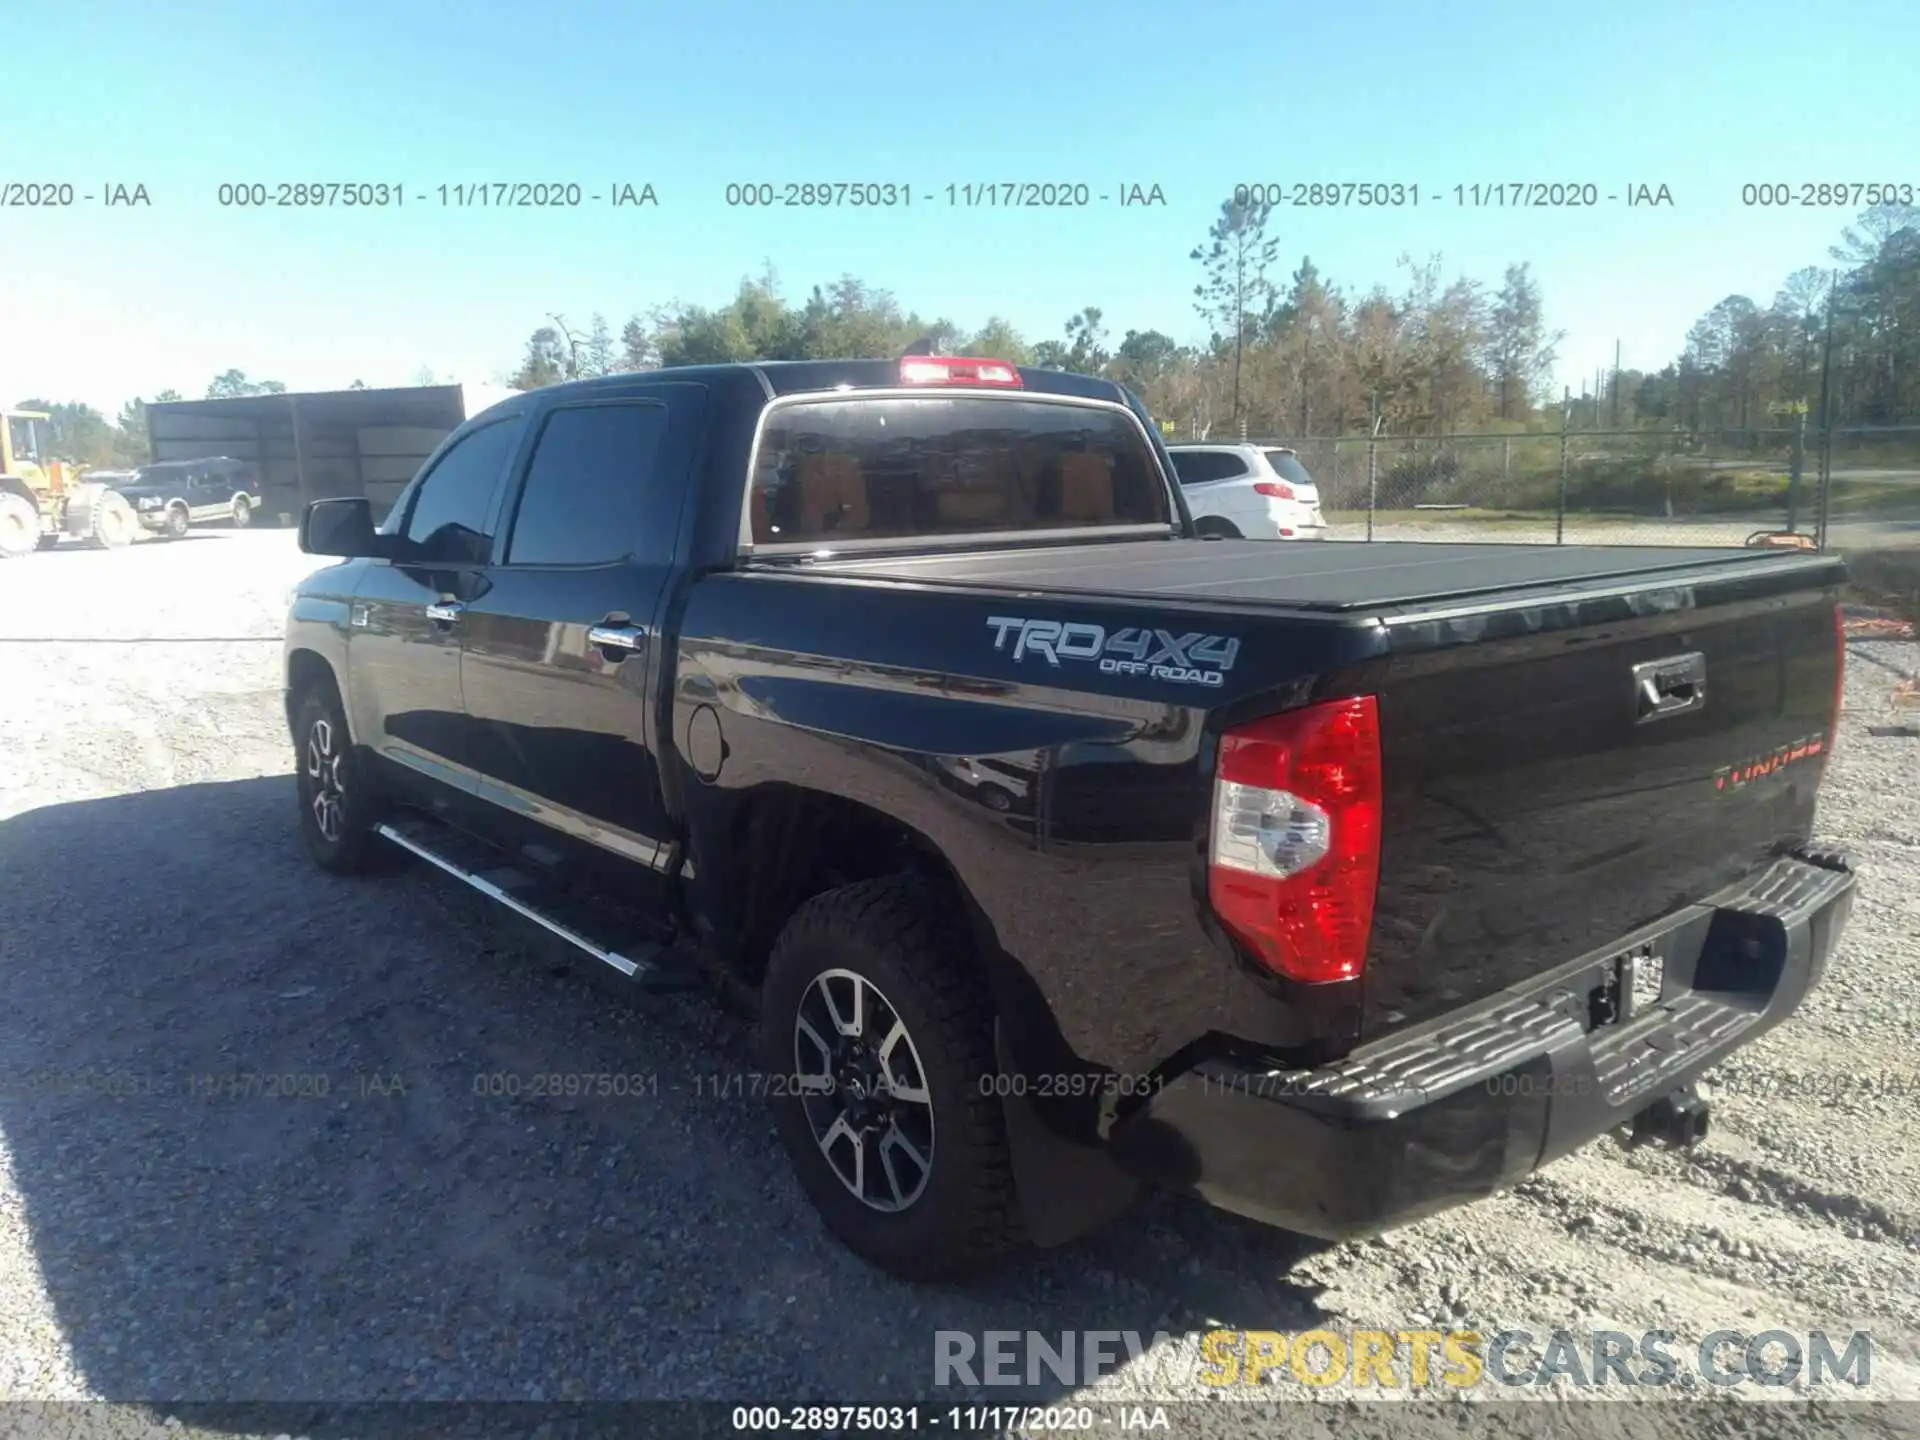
x=1671 y=686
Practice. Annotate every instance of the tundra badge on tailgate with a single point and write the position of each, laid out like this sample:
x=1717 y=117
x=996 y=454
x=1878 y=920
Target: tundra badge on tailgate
x=1194 y=659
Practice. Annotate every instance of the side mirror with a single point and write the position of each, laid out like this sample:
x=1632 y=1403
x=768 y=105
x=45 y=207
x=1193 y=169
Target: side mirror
x=342 y=528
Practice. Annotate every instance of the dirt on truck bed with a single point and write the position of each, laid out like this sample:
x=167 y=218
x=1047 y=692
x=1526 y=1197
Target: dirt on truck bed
x=270 y=1135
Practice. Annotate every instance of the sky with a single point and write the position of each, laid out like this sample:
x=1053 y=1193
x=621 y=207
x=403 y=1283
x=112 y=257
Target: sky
x=101 y=304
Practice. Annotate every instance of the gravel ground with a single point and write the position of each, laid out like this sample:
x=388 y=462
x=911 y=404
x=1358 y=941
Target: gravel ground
x=402 y=1237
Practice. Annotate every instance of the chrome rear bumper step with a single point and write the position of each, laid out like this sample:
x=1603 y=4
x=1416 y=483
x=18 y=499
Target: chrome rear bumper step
x=648 y=963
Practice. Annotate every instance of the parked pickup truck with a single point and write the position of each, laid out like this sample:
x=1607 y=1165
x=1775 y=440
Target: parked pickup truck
x=1339 y=883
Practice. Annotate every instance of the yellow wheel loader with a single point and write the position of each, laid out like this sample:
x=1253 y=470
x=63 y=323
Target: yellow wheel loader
x=43 y=499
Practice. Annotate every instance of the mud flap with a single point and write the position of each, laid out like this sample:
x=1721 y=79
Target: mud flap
x=1066 y=1189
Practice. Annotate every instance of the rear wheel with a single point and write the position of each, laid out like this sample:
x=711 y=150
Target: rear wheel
x=19 y=526
x=1212 y=527
x=242 y=512
x=879 y=1028
x=338 y=809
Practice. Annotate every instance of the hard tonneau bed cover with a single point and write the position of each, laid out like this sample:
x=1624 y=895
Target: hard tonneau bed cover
x=1336 y=577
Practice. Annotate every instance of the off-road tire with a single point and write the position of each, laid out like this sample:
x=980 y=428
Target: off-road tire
x=111 y=523
x=353 y=849
x=19 y=526
x=910 y=940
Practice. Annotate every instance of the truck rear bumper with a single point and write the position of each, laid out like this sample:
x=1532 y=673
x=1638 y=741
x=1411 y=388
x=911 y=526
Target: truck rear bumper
x=1458 y=1108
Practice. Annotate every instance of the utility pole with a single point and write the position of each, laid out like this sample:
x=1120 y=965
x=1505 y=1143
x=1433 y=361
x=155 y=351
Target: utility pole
x=1826 y=416
x=1373 y=462
x=1239 y=332
x=1560 y=512
x=1797 y=464
x=1306 y=364
x=1614 y=423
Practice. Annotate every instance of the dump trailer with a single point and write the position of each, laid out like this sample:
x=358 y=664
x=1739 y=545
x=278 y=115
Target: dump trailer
x=43 y=498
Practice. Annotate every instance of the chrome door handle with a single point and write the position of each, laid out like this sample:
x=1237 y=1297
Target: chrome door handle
x=445 y=613
x=617 y=637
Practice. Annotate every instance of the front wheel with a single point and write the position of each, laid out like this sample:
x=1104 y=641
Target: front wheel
x=111 y=524
x=877 y=1033
x=19 y=526
x=338 y=809
x=178 y=522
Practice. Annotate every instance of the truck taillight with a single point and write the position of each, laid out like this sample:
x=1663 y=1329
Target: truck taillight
x=1278 y=489
x=959 y=370
x=1294 y=857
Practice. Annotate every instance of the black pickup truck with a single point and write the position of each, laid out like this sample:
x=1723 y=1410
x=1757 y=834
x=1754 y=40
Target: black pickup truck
x=1337 y=883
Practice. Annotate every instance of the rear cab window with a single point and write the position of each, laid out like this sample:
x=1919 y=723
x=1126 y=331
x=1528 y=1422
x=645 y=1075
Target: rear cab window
x=847 y=469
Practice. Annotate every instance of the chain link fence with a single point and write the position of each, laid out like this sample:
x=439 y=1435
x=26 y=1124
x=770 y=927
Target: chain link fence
x=1871 y=495
x=1856 y=486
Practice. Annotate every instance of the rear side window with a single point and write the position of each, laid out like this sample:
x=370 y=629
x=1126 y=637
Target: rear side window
x=857 y=469
x=584 y=500
x=447 y=521
x=1288 y=467
x=1201 y=467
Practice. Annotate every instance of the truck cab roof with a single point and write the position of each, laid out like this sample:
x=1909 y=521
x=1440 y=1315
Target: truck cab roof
x=794 y=377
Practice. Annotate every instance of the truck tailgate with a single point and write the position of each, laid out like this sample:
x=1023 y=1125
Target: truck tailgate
x=1540 y=804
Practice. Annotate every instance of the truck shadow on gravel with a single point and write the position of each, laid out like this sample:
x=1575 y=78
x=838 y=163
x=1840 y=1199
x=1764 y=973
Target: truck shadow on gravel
x=70 y=547
x=276 y=1138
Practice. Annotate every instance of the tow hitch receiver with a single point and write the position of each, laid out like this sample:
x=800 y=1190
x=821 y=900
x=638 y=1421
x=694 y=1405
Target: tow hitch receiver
x=1677 y=1119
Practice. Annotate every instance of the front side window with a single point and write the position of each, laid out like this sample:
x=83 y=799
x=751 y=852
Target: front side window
x=584 y=500
x=446 y=523
x=924 y=466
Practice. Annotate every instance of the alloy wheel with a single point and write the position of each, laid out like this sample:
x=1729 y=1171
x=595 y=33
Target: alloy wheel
x=864 y=1090
x=328 y=795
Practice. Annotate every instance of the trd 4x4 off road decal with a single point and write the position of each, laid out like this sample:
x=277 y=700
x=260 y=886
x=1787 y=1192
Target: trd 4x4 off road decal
x=1193 y=659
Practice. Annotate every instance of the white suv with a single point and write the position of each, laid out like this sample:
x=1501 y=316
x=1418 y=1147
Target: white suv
x=1260 y=491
